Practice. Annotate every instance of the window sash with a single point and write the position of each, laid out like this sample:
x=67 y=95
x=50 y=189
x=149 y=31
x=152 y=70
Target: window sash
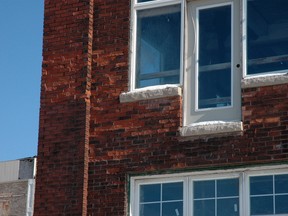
x=162 y=76
x=257 y=61
x=229 y=105
x=209 y=66
x=188 y=179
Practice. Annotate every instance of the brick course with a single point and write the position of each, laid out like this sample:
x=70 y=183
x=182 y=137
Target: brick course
x=125 y=139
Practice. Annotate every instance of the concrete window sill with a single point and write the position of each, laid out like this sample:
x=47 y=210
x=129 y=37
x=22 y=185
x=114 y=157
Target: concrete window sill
x=264 y=80
x=150 y=93
x=211 y=128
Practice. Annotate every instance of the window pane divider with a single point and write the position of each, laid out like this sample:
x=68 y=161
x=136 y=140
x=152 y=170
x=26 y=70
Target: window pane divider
x=267 y=60
x=160 y=74
x=166 y=201
x=215 y=67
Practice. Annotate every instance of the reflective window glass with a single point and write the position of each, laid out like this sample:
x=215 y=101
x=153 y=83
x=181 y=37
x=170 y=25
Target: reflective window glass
x=267 y=31
x=261 y=185
x=214 y=57
x=161 y=199
x=158 y=46
x=218 y=197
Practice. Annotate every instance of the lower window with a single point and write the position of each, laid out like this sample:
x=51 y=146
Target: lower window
x=260 y=191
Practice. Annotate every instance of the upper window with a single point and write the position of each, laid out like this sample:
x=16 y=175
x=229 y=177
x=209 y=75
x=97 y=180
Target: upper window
x=238 y=193
x=267 y=36
x=157 y=43
x=212 y=84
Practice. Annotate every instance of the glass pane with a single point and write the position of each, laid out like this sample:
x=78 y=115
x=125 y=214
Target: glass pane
x=172 y=191
x=281 y=184
x=261 y=185
x=172 y=208
x=204 y=189
x=228 y=207
x=204 y=207
x=261 y=205
x=227 y=187
x=281 y=204
x=150 y=193
x=158 y=46
x=214 y=57
x=267 y=36
x=150 y=209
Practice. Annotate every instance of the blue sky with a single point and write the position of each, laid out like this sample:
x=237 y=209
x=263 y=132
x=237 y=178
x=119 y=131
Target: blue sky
x=21 y=27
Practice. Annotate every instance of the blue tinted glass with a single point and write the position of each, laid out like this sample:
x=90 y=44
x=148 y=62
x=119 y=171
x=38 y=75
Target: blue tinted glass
x=281 y=184
x=149 y=209
x=267 y=41
x=228 y=207
x=158 y=46
x=150 y=193
x=281 y=204
x=227 y=187
x=172 y=191
x=261 y=205
x=172 y=208
x=204 y=208
x=214 y=57
x=261 y=185
x=204 y=189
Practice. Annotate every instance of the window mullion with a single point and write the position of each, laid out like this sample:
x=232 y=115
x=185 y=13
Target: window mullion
x=274 y=195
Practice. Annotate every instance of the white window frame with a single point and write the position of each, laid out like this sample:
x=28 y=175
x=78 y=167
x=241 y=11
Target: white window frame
x=197 y=109
x=149 y=5
x=218 y=116
x=243 y=174
x=244 y=46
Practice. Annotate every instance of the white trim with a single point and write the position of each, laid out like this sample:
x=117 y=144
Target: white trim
x=133 y=47
x=244 y=36
x=30 y=197
x=133 y=37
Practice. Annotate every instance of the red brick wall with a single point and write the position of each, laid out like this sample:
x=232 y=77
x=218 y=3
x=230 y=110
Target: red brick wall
x=62 y=174
x=129 y=138
x=142 y=137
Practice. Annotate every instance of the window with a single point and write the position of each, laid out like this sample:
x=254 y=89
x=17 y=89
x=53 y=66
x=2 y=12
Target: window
x=161 y=199
x=255 y=191
x=212 y=85
x=157 y=43
x=269 y=194
x=212 y=44
x=267 y=36
x=216 y=197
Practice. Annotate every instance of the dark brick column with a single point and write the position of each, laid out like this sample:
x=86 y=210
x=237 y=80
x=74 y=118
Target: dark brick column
x=62 y=170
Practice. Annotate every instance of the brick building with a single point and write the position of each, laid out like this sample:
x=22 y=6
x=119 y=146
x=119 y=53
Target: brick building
x=17 y=186
x=163 y=107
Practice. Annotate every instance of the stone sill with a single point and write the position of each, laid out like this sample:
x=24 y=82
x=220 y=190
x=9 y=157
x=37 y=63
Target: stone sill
x=211 y=128
x=150 y=93
x=264 y=80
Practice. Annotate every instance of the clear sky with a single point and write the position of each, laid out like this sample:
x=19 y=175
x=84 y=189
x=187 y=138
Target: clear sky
x=21 y=30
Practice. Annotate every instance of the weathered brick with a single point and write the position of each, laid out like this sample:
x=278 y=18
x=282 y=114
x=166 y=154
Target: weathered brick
x=85 y=69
